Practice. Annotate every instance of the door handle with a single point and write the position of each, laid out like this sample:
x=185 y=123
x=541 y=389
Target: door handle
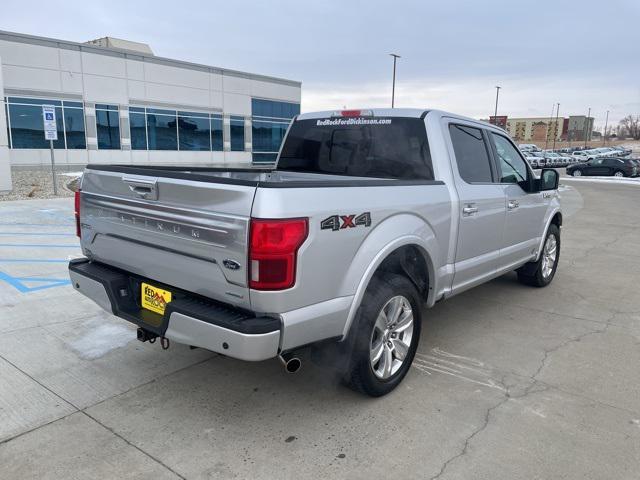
x=146 y=189
x=513 y=204
x=469 y=210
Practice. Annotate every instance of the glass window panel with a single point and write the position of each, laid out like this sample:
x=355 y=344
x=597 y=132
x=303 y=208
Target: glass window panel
x=237 y=134
x=74 y=126
x=35 y=101
x=513 y=168
x=216 y=133
x=395 y=148
x=72 y=104
x=162 y=131
x=136 y=109
x=194 y=133
x=471 y=153
x=108 y=126
x=101 y=106
x=193 y=114
x=27 y=129
x=161 y=111
x=138 y=129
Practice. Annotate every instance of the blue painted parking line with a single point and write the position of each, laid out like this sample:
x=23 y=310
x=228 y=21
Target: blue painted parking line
x=40 y=245
x=18 y=282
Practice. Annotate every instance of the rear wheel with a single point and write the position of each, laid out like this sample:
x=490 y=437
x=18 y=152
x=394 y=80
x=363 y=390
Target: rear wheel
x=618 y=174
x=387 y=332
x=541 y=272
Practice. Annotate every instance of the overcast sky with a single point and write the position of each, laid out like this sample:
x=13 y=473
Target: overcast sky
x=578 y=53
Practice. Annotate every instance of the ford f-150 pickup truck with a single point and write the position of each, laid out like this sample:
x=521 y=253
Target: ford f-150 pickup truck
x=368 y=218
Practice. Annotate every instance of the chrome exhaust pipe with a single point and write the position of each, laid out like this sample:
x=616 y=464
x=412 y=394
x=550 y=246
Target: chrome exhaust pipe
x=291 y=364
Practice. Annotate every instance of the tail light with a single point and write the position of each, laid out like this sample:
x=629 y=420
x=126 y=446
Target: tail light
x=273 y=250
x=77 y=213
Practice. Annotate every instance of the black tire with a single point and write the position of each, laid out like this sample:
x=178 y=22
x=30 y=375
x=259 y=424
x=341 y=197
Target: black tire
x=360 y=376
x=615 y=174
x=531 y=273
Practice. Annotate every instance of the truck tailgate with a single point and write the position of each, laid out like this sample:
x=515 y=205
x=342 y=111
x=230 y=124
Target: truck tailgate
x=189 y=234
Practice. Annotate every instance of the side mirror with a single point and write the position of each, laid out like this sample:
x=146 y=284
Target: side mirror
x=549 y=179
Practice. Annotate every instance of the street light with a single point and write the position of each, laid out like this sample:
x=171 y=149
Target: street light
x=495 y=114
x=586 y=127
x=393 y=87
x=555 y=131
x=604 y=136
x=546 y=141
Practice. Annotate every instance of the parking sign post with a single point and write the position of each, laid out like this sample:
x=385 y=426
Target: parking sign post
x=51 y=134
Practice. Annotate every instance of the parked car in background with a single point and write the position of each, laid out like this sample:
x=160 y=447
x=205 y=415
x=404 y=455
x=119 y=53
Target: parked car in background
x=528 y=147
x=558 y=160
x=609 y=166
x=582 y=155
x=532 y=160
x=543 y=161
x=624 y=151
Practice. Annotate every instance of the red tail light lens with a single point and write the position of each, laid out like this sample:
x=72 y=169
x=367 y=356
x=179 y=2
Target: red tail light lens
x=77 y=213
x=273 y=250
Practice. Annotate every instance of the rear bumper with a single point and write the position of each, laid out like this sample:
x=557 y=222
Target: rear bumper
x=187 y=319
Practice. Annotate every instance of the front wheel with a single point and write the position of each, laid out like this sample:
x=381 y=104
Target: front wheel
x=577 y=173
x=541 y=272
x=386 y=335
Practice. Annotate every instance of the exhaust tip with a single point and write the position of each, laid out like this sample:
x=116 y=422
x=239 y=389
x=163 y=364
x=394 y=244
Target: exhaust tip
x=291 y=364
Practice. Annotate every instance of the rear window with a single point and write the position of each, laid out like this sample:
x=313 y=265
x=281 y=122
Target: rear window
x=379 y=147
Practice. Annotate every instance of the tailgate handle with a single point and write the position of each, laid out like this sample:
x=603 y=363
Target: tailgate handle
x=146 y=189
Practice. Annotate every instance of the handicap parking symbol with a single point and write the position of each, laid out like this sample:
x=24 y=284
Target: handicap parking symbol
x=48 y=116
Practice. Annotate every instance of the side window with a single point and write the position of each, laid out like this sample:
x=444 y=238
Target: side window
x=513 y=168
x=471 y=153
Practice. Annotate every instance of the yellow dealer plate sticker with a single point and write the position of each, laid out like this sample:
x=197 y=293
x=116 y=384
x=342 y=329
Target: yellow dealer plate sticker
x=154 y=299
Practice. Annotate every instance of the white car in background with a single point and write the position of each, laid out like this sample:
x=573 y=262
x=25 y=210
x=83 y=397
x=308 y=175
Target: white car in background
x=528 y=147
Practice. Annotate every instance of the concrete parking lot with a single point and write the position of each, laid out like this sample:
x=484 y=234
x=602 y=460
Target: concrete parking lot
x=510 y=382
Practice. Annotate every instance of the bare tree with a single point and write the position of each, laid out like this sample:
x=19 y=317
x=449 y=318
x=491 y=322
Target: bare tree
x=630 y=126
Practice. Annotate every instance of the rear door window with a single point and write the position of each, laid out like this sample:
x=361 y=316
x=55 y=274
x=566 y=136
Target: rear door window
x=472 y=155
x=378 y=147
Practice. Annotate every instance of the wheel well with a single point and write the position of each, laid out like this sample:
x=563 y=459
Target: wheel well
x=409 y=261
x=557 y=219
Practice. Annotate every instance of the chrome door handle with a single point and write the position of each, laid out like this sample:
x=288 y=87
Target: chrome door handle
x=469 y=210
x=512 y=205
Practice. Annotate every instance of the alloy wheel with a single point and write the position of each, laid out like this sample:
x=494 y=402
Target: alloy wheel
x=549 y=255
x=391 y=337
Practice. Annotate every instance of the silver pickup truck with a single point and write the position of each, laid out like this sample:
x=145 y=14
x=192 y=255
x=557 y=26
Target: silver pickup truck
x=368 y=218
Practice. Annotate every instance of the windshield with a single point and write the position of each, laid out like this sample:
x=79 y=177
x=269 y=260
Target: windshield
x=363 y=147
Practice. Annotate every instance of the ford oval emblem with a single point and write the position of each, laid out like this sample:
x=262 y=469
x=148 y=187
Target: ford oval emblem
x=231 y=264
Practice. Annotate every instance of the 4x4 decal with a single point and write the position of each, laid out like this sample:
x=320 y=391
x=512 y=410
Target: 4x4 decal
x=338 y=222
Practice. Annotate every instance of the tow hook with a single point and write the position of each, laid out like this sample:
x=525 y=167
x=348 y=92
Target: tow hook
x=147 y=336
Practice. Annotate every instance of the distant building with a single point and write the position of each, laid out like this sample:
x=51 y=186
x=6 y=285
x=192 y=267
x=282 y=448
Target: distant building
x=537 y=129
x=579 y=127
x=117 y=102
x=500 y=121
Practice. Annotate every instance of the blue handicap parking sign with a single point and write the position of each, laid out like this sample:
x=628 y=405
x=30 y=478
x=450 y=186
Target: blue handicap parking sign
x=48 y=116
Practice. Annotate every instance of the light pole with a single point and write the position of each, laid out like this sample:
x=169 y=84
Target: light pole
x=495 y=113
x=555 y=130
x=604 y=136
x=546 y=142
x=393 y=86
x=586 y=127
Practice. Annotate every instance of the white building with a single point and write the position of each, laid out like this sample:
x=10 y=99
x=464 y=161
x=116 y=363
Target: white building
x=116 y=102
